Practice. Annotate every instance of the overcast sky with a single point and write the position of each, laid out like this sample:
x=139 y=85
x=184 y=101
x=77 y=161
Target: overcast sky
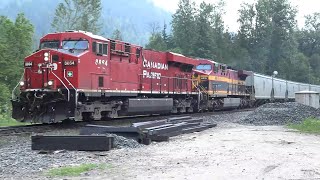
x=305 y=7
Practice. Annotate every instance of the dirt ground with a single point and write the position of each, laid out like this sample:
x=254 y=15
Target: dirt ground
x=230 y=151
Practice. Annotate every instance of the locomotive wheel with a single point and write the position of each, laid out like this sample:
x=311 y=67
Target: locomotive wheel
x=68 y=121
x=87 y=117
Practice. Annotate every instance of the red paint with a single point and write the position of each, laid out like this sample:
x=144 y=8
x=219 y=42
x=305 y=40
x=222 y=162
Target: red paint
x=123 y=68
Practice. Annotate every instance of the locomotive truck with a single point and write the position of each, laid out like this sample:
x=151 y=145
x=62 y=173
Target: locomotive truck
x=81 y=76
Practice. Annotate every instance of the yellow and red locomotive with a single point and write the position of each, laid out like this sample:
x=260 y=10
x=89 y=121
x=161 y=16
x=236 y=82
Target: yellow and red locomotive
x=220 y=86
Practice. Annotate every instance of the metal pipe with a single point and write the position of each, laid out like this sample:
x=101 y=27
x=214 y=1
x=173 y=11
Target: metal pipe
x=62 y=84
x=14 y=89
x=76 y=91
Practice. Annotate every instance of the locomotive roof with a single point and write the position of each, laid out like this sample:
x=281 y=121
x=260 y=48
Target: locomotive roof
x=89 y=34
x=83 y=32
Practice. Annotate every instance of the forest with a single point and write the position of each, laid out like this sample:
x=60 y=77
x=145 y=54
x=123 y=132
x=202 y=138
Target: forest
x=268 y=38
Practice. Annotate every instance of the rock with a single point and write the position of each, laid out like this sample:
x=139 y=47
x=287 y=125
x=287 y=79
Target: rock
x=123 y=142
x=280 y=114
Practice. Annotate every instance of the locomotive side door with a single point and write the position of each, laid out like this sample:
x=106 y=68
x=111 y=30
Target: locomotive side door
x=100 y=78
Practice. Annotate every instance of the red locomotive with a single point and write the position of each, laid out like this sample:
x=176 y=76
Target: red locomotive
x=81 y=76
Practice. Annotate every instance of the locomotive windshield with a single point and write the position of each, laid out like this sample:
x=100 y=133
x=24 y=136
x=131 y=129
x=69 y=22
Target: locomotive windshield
x=75 y=44
x=49 y=44
x=204 y=67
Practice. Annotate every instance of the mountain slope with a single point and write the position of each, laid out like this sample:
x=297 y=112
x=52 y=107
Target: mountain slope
x=130 y=17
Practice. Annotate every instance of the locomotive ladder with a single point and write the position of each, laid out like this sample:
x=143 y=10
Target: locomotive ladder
x=202 y=93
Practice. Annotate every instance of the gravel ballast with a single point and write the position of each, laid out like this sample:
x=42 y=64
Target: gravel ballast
x=123 y=142
x=18 y=161
x=280 y=114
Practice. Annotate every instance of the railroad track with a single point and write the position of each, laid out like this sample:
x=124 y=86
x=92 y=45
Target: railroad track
x=42 y=128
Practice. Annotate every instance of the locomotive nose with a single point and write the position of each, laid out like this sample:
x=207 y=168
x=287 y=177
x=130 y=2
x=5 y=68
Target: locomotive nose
x=49 y=57
x=42 y=70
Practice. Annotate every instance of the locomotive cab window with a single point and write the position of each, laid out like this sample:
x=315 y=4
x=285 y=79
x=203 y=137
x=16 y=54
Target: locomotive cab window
x=113 y=45
x=105 y=49
x=216 y=68
x=100 y=48
x=49 y=44
x=138 y=52
x=127 y=48
x=204 y=67
x=94 y=47
x=75 y=44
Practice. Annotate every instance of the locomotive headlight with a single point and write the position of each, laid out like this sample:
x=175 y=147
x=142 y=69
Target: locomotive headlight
x=46 y=54
x=21 y=83
x=46 y=58
x=50 y=83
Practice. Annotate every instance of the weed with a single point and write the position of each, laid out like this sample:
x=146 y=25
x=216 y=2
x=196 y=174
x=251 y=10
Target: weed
x=75 y=170
x=309 y=125
x=10 y=122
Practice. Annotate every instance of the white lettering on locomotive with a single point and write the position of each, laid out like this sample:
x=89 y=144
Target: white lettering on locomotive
x=69 y=63
x=154 y=65
x=151 y=75
x=101 y=62
x=28 y=64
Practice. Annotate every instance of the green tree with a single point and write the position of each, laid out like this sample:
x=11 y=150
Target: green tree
x=164 y=34
x=283 y=44
x=15 y=44
x=315 y=65
x=309 y=44
x=221 y=36
x=309 y=37
x=156 y=42
x=267 y=31
x=184 y=25
x=4 y=100
x=204 y=43
x=117 y=35
x=246 y=20
x=78 y=15
x=169 y=40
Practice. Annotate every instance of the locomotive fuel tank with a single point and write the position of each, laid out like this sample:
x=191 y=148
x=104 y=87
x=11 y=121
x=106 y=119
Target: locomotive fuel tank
x=149 y=106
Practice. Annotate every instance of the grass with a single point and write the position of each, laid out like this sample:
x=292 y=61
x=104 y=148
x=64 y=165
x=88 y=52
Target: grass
x=75 y=170
x=10 y=122
x=309 y=125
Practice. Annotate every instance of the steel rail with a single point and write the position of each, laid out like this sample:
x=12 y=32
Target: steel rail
x=42 y=128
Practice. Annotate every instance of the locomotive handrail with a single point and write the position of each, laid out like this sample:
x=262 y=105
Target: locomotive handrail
x=199 y=92
x=168 y=77
x=64 y=75
x=14 y=89
x=62 y=84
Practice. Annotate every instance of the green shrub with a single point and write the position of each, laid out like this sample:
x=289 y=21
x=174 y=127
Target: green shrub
x=309 y=125
x=74 y=170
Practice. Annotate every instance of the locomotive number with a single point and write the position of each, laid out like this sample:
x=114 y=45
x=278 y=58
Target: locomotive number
x=69 y=63
x=28 y=64
x=101 y=62
x=151 y=75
